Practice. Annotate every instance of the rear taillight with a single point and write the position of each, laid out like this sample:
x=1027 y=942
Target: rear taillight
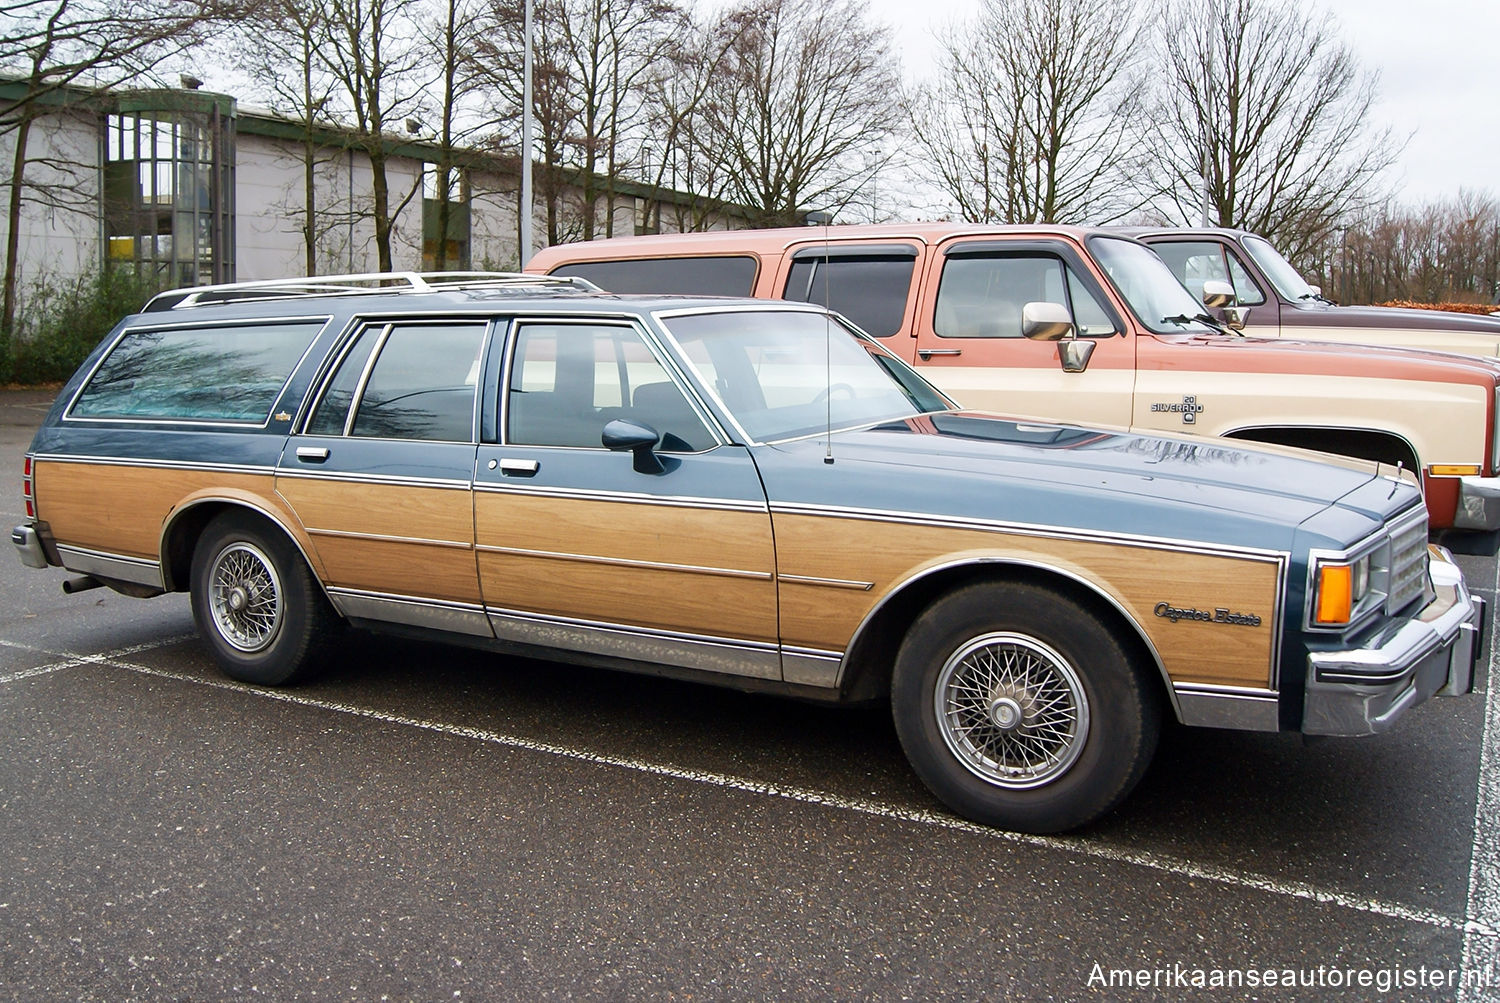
x=27 y=494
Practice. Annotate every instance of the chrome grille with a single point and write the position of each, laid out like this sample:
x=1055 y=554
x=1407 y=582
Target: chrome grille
x=1408 y=568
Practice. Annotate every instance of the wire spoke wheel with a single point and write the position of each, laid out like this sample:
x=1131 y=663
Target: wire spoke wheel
x=245 y=597
x=1012 y=710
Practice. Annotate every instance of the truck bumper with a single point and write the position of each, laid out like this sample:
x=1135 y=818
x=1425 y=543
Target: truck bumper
x=1364 y=690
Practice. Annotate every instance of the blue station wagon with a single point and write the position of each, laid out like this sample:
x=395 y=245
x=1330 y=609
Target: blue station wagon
x=743 y=492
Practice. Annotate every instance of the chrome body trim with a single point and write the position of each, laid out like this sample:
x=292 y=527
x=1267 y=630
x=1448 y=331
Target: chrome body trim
x=1092 y=587
x=832 y=583
x=622 y=562
x=434 y=614
x=383 y=538
x=1377 y=599
x=811 y=666
x=389 y=480
x=29 y=546
x=641 y=644
x=1478 y=503
x=117 y=566
x=1029 y=529
x=1232 y=707
x=121 y=461
x=632 y=497
x=1364 y=690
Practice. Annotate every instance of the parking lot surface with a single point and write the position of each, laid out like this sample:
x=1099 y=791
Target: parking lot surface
x=425 y=822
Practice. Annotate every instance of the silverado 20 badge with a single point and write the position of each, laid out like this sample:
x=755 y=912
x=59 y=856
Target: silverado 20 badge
x=1190 y=409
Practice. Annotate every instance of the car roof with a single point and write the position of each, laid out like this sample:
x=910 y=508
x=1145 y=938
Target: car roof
x=397 y=293
x=711 y=242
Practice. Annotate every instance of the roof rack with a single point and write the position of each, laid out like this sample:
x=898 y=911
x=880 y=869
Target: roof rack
x=361 y=284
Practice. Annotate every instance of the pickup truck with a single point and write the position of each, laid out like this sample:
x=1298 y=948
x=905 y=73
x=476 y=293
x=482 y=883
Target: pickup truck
x=1088 y=325
x=1273 y=300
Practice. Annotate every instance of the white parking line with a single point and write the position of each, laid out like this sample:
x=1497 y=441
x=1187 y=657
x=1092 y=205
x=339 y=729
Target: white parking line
x=1073 y=846
x=71 y=660
x=1482 y=954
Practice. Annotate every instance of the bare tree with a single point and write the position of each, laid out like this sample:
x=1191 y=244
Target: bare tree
x=1026 y=121
x=278 y=37
x=802 y=90
x=1263 y=106
x=51 y=45
x=371 y=48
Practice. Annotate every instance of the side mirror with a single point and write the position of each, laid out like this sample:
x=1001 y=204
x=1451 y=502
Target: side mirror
x=627 y=436
x=1046 y=322
x=1217 y=293
x=1236 y=317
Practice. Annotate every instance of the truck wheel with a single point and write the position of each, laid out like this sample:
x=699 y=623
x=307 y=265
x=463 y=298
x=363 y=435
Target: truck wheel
x=255 y=602
x=1019 y=709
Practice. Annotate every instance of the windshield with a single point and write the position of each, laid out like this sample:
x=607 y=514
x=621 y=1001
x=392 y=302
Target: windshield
x=784 y=374
x=1161 y=302
x=1279 y=270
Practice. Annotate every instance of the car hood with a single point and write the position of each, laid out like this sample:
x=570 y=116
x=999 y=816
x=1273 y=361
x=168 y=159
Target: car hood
x=976 y=466
x=1383 y=361
x=1391 y=317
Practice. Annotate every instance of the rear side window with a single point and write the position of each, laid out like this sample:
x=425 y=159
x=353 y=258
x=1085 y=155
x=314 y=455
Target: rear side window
x=870 y=290
x=702 y=276
x=230 y=374
x=421 y=387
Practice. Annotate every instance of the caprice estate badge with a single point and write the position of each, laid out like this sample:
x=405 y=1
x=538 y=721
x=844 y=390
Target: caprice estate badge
x=1190 y=409
x=1218 y=614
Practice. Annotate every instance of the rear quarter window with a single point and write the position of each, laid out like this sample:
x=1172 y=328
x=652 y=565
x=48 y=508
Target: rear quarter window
x=227 y=374
x=716 y=275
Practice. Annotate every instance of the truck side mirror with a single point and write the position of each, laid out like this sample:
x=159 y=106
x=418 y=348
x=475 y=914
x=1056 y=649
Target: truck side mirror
x=1041 y=321
x=1046 y=322
x=1236 y=317
x=1217 y=293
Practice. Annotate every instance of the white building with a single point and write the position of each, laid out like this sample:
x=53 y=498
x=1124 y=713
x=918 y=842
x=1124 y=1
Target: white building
x=189 y=183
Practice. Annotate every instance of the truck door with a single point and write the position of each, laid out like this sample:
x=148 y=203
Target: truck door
x=969 y=339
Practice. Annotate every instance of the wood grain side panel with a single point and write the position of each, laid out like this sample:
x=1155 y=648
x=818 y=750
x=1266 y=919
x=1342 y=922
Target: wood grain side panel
x=601 y=561
x=397 y=539
x=122 y=509
x=1137 y=578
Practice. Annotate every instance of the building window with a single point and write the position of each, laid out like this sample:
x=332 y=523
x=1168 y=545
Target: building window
x=455 y=246
x=169 y=186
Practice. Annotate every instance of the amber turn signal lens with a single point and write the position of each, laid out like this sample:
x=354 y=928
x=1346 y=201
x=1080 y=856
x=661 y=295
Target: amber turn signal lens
x=1453 y=470
x=1335 y=594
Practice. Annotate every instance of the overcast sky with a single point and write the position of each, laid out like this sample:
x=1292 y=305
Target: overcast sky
x=1439 y=66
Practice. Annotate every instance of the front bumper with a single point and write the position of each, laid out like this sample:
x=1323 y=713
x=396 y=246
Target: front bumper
x=1364 y=690
x=1478 y=504
x=29 y=544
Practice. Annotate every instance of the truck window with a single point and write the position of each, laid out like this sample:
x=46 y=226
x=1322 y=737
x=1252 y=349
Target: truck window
x=981 y=296
x=870 y=290
x=716 y=275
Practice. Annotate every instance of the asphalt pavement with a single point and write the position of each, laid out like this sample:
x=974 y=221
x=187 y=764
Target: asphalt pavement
x=424 y=822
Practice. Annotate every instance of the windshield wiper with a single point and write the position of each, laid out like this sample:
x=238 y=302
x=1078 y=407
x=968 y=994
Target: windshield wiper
x=1209 y=320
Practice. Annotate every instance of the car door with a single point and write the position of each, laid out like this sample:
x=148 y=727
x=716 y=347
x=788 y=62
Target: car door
x=969 y=339
x=380 y=473
x=603 y=552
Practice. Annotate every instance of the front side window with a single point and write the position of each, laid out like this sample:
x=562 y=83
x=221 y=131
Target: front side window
x=421 y=386
x=871 y=290
x=982 y=296
x=1195 y=262
x=227 y=374
x=568 y=381
x=785 y=374
x=1283 y=276
x=1148 y=286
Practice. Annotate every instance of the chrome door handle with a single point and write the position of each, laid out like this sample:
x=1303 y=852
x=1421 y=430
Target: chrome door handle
x=312 y=454
x=927 y=353
x=519 y=468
